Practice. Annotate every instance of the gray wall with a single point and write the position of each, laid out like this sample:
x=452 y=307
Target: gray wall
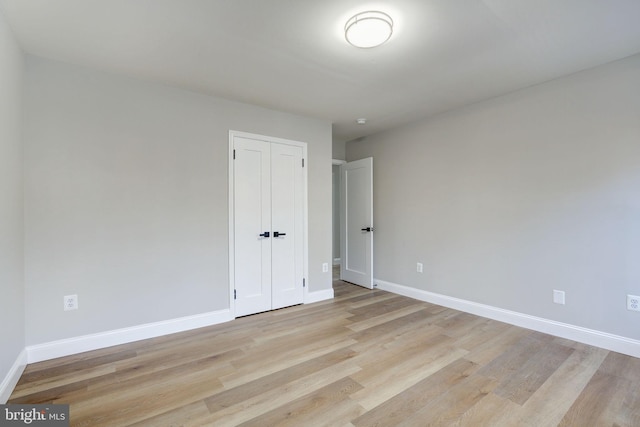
x=11 y=202
x=126 y=198
x=336 y=211
x=339 y=150
x=506 y=200
x=338 y=153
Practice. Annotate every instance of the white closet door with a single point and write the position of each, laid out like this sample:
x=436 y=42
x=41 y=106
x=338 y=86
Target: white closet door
x=287 y=213
x=252 y=212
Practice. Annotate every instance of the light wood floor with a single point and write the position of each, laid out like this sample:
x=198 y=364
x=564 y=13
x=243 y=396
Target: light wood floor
x=366 y=358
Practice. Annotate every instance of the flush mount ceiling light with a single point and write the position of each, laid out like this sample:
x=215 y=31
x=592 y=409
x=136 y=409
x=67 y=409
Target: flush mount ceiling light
x=368 y=29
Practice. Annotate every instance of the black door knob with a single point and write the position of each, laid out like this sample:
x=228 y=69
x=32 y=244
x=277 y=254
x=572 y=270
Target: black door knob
x=265 y=234
x=278 y=234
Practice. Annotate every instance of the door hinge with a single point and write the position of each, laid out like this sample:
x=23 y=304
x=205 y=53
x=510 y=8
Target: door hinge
x=302 y=162
x=304 y=283
x=234 y=154
x=235 y=294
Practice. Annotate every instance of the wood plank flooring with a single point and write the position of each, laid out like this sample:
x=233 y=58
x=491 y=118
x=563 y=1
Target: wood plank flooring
x=366 y=358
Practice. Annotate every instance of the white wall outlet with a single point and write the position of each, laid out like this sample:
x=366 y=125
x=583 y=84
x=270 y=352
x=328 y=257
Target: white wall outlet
x=633 y=302
x=70 y=302
x=558 y=297
x=325 y=267
x=419 y=267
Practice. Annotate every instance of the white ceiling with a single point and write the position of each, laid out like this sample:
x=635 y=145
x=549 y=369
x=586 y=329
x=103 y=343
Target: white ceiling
x=291 y=55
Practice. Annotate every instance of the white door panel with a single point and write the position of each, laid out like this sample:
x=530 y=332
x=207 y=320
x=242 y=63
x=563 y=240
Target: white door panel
x=252 y=218
x=357 y=223
x=286 y=217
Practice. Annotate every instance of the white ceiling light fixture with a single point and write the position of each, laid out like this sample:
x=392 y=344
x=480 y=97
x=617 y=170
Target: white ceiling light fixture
x=368 y=29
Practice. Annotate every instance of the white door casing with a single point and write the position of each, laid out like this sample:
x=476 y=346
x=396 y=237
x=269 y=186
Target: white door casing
x=267 y=194
x=356 y=221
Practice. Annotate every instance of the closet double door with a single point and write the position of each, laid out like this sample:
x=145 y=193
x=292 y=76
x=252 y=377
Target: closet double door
x=268 y=224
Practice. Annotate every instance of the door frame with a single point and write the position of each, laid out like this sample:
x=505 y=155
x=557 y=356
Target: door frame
x=305 y=219
x=343 y=226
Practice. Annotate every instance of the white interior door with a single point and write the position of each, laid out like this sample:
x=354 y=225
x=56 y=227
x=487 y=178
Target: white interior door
x=267 y=240
x=356 y=221
x=252 y=225
x=287 y=205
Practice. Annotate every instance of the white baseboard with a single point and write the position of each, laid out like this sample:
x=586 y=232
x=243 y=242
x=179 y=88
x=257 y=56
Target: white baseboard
x=336 y=261
x=66 y=347
x=318 y=296
x=11 y=379
x=604 y=340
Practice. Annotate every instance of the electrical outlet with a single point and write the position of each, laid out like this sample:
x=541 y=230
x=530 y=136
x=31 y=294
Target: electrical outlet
x=325 y=267
x=419 y=267
x=633 y=303
x=558 y=297
x=70 y=302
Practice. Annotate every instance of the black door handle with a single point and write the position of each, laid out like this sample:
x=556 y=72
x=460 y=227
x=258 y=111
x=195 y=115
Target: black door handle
x=278 y=234
x=368 y=229
x=265 y=234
